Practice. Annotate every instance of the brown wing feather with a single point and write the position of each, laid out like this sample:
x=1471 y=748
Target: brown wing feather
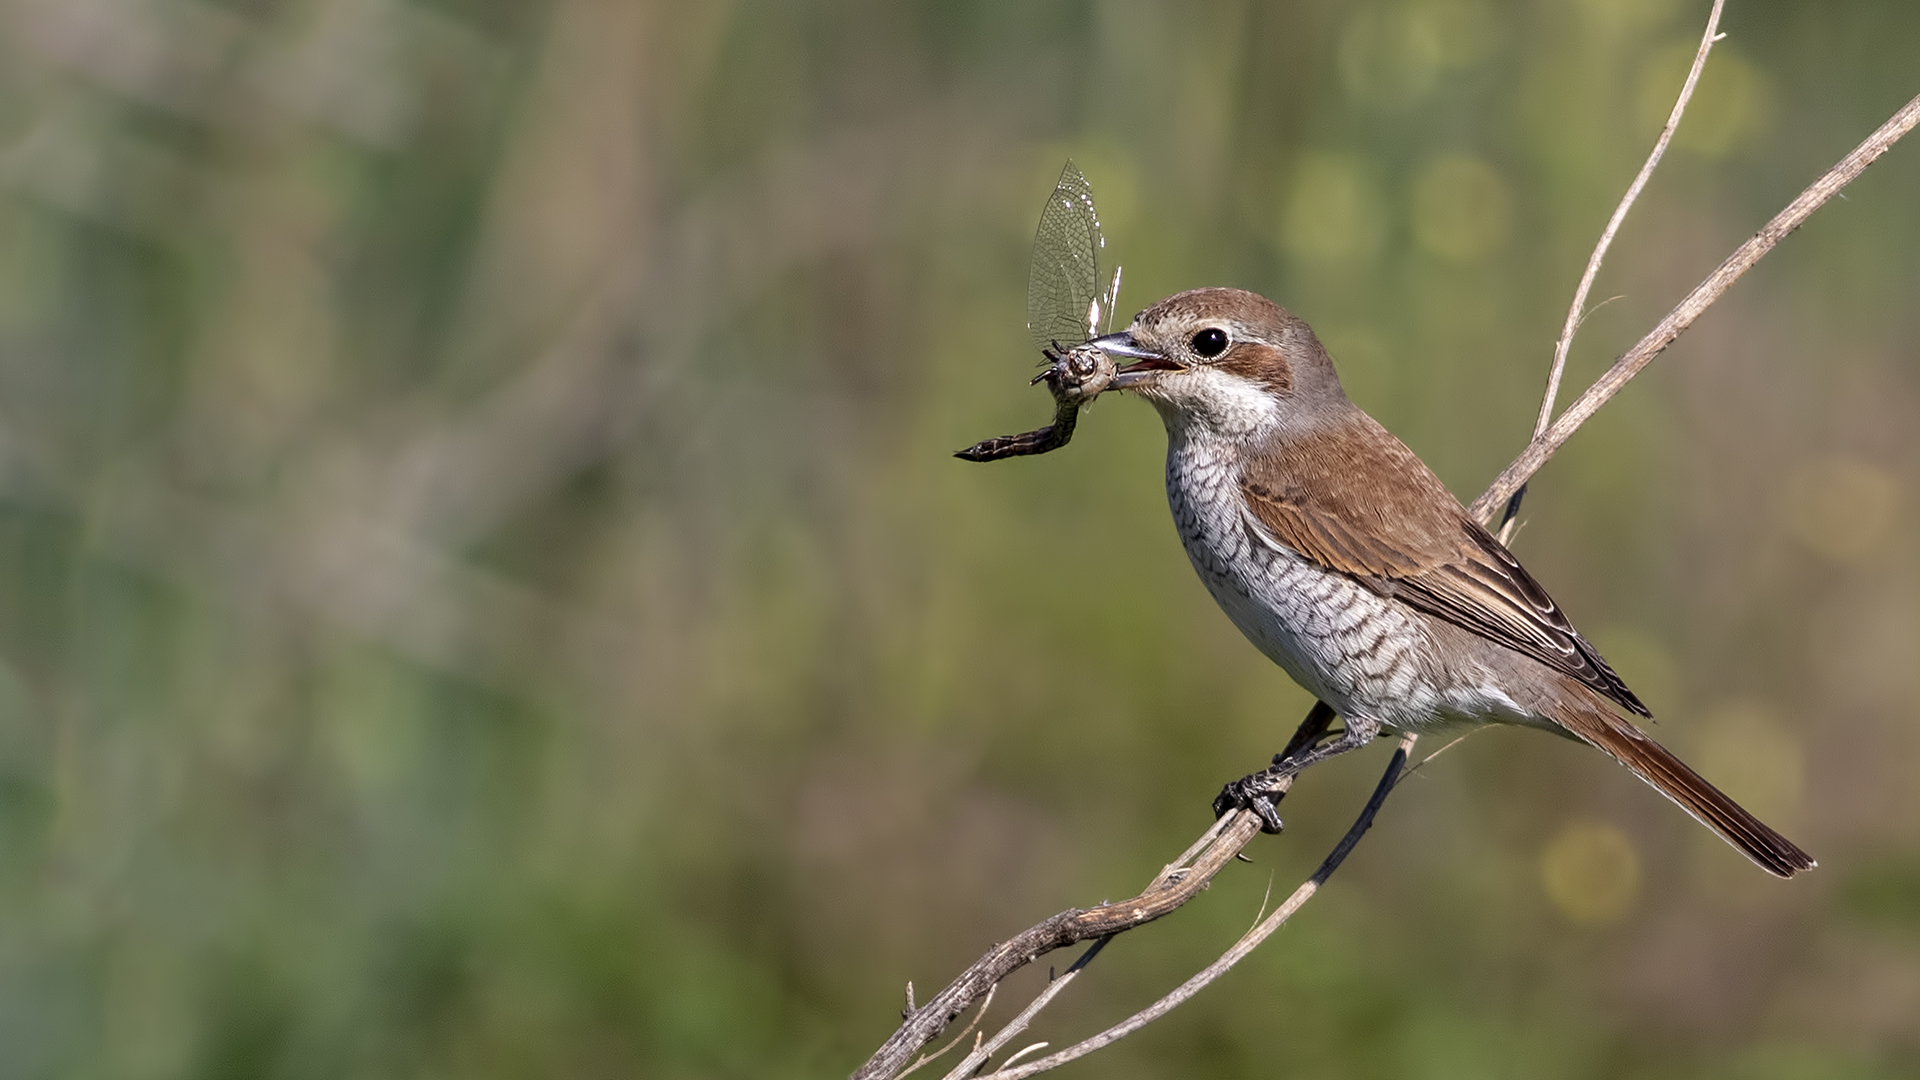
x=1491 y=594
x=1354 y=499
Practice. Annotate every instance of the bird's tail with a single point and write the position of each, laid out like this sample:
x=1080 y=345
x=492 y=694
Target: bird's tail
x=1671 y=777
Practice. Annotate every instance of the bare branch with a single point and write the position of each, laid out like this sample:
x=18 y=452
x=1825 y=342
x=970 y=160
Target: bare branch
x=1172 y=888
x=1175 y=884
x=1576 y=312
x=1024 y=1051
x=978 y=1015
x=1247 y=943
x=1309 y=730
x=1689 y=309
x=1019 y=1023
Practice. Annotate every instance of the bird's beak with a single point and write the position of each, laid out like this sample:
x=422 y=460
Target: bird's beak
x=1146 y=363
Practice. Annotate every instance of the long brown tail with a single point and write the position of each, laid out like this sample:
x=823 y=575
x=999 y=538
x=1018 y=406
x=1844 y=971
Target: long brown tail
x=1671 y=777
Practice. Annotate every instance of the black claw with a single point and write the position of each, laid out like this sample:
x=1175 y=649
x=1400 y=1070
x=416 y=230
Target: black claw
x=1250 y=793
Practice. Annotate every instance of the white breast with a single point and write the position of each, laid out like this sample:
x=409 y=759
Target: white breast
x=1359 y=652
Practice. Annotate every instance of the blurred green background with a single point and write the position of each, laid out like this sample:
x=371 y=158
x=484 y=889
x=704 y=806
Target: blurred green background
x=484 y=591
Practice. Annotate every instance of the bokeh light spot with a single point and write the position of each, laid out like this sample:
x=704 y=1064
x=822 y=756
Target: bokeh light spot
x=1644 y=662
x=1393 y=55
x=1591 y=872
x=1731 y=107
x=1333 y=212
x=1746 y=752
x=1627 y=15
x=1388 y=58
x=1461 y=208
x=1841 y=507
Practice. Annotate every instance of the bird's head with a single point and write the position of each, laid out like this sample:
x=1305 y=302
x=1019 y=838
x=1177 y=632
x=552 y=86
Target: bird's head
x=1227 y=362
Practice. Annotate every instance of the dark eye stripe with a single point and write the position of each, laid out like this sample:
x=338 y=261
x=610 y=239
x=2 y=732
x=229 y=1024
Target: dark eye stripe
x=1260 y=362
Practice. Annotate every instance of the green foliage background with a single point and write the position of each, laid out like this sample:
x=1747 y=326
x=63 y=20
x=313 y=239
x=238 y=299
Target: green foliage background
x=484 y=591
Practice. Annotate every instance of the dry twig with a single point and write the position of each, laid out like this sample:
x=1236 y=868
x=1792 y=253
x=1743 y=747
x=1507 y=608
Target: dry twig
x=972 y=1062
x=978 y=1015
x=1577 y=311
x=1247 y=943
x=1172 y=887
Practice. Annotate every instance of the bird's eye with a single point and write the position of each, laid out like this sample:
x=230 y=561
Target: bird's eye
x=1210 y=342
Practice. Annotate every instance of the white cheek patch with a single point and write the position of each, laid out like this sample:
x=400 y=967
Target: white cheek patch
x=1213 y=399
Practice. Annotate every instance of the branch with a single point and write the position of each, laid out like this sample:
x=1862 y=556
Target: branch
x=1689 y=309
x=980 y=1053
x=1172 y=887
x=1578 y=309
x=1179 y=881
x=1247 y=943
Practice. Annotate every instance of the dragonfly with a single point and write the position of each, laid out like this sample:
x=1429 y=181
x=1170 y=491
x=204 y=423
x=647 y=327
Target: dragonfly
x=1065 y=302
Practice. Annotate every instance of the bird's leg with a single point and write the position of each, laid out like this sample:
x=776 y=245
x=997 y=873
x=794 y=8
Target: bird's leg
x=1310 y=732
x=1261 y=792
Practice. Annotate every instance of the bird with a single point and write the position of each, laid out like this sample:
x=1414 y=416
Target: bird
x=1344 y=559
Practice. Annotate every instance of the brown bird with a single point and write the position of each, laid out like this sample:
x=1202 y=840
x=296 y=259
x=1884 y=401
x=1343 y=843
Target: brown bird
x=1345 y=560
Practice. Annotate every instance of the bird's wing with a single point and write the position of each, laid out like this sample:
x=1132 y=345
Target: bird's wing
x=1369 y=508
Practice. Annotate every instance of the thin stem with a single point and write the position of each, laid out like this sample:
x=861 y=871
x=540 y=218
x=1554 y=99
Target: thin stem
x=1019 y=1023
x=978 y=1015
x=1576 y=312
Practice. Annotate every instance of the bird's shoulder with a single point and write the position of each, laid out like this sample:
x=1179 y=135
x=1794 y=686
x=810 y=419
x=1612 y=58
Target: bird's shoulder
x=1354 y=499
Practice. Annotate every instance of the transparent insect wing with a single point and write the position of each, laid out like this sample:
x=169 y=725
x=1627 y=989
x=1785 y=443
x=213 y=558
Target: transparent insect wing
x=1064 y=302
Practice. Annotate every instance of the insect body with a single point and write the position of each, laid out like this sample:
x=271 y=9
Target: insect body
x=1076 y=376
x=1064 y=301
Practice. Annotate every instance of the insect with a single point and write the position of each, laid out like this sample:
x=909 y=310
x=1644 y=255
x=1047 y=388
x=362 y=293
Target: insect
x=1064 y=302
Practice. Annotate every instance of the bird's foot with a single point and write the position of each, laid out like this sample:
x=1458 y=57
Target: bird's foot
x=1259 y=792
